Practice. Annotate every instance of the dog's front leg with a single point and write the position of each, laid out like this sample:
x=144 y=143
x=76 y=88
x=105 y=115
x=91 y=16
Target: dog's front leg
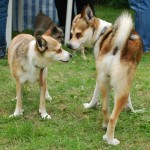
x=47 y=95
x=18 y=110
x=42 y=108
x=130 y=107
x=94 y=101
x=83 y=52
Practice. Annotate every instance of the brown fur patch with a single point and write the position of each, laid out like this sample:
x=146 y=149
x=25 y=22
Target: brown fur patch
x=106 y=42
x=115 y=50
x=133 y=50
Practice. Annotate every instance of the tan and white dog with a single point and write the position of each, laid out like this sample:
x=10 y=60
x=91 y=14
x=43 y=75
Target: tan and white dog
x=29 y=58
x=118 y=50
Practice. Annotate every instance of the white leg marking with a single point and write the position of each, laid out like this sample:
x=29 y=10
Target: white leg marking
x=129 y=104
x=18 y=112
x=47 y=96
x=94 y=100
x=82 y=52
x=114 y=141
x=44 y=114
x=18 y=109
x=42 y=109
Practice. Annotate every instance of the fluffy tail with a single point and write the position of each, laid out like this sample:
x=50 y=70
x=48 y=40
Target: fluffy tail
x=122 y=29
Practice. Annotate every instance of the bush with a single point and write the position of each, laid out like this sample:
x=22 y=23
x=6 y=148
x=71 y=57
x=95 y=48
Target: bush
x=113 y=3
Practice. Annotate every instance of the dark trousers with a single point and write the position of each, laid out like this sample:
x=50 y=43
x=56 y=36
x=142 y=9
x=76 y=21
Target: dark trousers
x=61 y=6
x=3 y=20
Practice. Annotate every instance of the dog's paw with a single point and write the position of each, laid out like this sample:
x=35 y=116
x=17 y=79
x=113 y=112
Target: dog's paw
x=113 y=141
x=139 y=111
x=17 y=113
x=88 y=105
x=45 y=116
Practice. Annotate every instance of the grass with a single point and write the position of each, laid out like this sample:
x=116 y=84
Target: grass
x=72 y=127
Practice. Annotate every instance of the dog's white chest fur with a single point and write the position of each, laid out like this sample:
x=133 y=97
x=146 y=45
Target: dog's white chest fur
x=31 y=74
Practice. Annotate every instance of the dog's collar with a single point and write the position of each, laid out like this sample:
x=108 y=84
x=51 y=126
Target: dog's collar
x=102 y=32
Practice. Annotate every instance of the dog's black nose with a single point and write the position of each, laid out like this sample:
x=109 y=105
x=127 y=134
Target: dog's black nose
x=70 y=55
x=69 y=45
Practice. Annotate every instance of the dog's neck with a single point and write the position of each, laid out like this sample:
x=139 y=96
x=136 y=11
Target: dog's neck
x=103 y=25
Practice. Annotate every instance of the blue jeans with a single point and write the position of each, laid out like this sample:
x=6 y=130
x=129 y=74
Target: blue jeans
x=142 y=20
x=3 y=20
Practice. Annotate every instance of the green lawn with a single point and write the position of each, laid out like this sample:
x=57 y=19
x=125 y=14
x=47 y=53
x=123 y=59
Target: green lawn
x=72 y=127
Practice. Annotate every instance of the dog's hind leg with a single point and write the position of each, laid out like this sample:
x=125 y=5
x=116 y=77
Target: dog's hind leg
x=83 y=53
x=130 y=107
x=42 y=108
x=47 y=96
x=18 y=109
x=129 y=104
x=120 y=102
x=105 y=91
x=94 y=101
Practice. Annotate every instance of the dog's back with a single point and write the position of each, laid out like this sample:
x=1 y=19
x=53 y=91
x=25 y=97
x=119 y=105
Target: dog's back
x=18 y=51
x=44 y=25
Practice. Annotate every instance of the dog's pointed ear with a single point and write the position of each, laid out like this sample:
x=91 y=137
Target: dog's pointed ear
x=87 y=13
x=41 y=43
x=55 y=30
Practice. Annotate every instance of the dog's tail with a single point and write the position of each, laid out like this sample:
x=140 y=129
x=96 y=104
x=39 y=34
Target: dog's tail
x=122 y=29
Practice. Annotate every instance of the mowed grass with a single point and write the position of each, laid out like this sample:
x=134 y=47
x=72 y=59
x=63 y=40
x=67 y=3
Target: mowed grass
x=72 y=127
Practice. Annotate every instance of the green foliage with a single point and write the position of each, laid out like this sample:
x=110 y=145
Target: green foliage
x=113 y=3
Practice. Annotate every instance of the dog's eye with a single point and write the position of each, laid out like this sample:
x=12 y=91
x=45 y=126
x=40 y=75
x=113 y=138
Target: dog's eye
x=59 y=37
x=78 y=35
x=59 y=51
x=46 y=48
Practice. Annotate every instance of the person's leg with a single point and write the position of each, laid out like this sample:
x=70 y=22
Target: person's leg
x=61 y=6
x=80 y=5
x=142 y=21
x=3 y=20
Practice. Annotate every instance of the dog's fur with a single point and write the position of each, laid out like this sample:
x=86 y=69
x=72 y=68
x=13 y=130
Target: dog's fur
x=74 y=22
x=118 y=50
x=29 y=58
x=46 y=26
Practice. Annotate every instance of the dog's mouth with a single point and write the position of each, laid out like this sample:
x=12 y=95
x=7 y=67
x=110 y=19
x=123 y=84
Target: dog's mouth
x=64 y=61
x=73 y=47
